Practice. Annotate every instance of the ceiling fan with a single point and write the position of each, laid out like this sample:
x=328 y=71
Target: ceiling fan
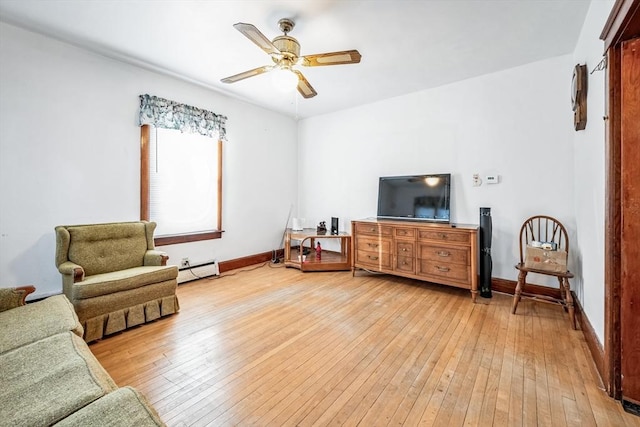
x=285 y=53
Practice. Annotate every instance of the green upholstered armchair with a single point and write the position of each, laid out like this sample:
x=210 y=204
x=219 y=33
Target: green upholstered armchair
x=113 y=275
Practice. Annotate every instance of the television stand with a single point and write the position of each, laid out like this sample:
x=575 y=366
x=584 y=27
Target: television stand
x=438 y=253
x=304 y=257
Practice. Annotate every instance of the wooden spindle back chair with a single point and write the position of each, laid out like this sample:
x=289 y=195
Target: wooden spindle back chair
x=545 y=229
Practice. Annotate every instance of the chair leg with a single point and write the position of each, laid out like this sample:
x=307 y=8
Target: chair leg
x=569 y=300
x=563 y=294
x=516 y=296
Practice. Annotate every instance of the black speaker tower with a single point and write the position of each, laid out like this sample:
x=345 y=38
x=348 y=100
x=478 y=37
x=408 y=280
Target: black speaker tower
x=485 y=252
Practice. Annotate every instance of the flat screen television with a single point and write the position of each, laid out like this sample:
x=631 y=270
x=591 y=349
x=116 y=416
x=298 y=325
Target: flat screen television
x=415 y=197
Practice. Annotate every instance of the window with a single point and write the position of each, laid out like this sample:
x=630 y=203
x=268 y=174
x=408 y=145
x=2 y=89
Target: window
x=182 y=180
x=180 y=170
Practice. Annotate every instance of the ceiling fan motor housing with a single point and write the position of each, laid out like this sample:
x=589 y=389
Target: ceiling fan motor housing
x=288 y=46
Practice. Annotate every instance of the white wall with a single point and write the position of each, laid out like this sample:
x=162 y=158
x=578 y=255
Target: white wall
x=69 y=154
x=589 y=171
x=515 y=123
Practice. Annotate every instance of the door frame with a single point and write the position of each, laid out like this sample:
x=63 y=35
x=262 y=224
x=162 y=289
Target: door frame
x=623 y=24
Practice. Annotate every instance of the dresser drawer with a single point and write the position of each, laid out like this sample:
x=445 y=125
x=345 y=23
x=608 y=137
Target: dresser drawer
x=371 y=244
x=406 y=249
x=444 y=254
x=378 y=261
x=444 y=236
x=404 y=232
x=444 y=270
x=405 y=264
x=373 y=229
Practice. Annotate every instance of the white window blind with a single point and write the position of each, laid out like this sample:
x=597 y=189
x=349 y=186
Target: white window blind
x=183 y=182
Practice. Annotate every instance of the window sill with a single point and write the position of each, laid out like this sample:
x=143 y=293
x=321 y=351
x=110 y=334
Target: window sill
x=186 y=238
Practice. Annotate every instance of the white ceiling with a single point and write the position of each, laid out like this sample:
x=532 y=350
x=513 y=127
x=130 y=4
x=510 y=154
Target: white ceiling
x=406 y=45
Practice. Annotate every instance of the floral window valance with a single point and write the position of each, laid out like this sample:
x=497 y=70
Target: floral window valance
x=162 y=113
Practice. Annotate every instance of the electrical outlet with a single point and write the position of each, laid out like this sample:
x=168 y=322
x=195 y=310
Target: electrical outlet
x=477 y=182
x=184 y=262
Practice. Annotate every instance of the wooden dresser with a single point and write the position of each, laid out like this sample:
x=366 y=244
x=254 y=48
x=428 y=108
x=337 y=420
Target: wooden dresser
x=438 y=253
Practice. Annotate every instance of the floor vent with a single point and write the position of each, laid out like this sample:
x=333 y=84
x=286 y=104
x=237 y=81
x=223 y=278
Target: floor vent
x=195 y=272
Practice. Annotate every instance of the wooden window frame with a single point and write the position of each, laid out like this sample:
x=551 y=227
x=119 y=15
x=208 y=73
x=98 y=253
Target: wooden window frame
x=145 y=135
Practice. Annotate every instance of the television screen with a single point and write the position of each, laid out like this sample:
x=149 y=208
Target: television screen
x=415 y=197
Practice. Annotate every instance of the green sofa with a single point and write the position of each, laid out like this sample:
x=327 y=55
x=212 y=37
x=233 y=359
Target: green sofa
x=49 y=375
x=114 y=277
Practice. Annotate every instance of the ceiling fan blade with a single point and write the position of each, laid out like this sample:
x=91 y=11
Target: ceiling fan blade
x=331 y=58
x=247 y=74
x=305 y=89
x=253 y=34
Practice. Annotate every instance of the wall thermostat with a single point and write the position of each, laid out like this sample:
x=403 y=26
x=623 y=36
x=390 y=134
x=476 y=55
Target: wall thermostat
x=492 y=179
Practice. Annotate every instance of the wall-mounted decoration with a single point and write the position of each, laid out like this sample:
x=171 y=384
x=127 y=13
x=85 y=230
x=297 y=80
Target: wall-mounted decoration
x=579 y=96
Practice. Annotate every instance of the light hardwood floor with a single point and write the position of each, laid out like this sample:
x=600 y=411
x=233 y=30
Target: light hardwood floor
x=277 y=347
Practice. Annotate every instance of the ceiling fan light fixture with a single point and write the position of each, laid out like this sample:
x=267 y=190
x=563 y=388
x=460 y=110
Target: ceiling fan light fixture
x=284 y=80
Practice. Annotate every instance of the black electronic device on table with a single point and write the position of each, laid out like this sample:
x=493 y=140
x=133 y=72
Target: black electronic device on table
x=334 y=226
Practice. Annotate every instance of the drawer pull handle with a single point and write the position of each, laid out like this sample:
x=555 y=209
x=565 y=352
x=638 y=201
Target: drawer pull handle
x=372 y=229
x=444 y=253
x=404 y=249
x=443 y=269
x=373 y=258
x=442 y=235
x=373 y=245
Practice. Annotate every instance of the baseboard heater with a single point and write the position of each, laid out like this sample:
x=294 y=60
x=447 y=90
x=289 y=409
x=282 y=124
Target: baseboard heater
x=195 y=272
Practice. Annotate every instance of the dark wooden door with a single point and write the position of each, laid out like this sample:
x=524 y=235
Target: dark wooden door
x=630 y=244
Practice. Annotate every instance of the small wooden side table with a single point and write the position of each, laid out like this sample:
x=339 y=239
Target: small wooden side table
x=304 y=257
